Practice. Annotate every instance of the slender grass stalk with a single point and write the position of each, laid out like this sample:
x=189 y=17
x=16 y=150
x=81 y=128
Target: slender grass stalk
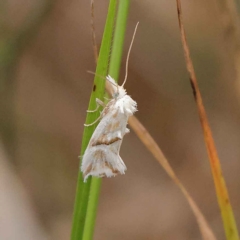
x=114 y=67
x=117 y=48
x=228 y=218
x=82 y=192
x=92 y=208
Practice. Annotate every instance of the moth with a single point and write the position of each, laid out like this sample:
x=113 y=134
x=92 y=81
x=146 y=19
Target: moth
x=101 y=158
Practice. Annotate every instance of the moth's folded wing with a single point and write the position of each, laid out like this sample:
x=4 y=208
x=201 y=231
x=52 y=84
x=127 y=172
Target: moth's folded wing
x=101 y=161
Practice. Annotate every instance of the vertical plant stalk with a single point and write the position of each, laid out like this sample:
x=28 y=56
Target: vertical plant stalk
x=220 y=185
x=83 y=189
x=119 y=34
x=92 y=208
x=114 y=67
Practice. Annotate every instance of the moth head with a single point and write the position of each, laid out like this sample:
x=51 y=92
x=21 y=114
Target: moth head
x=117 y=91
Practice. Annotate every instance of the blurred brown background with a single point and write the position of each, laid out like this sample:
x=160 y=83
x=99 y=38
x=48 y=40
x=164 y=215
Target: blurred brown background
x=45 y=51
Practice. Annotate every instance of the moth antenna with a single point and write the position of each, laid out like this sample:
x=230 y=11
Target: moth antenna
x=114 y=84
x=104 y=78
x=129 y=51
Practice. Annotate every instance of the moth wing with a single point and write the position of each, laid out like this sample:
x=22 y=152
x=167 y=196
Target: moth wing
x=101 y=161
x=111 y=128
x=101 y=157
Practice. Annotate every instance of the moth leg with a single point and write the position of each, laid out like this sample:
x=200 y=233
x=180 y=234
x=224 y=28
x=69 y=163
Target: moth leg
x=108 y=99
x=90 y=124
x=92 y=111
x=99 y=103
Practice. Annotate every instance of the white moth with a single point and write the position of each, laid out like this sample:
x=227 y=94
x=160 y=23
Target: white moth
x=101 y=158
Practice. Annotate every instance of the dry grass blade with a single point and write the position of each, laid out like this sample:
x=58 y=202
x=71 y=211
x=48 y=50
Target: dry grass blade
x=152 y=146
x=221 y=189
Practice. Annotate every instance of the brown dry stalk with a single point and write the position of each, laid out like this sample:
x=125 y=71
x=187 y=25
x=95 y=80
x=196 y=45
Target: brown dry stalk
x=221 y=189
x=152 y=146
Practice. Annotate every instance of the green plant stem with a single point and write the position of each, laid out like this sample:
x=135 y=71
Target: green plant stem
x=114 y=67
x=117 y=48
x=92 y=208
x=83 y=189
